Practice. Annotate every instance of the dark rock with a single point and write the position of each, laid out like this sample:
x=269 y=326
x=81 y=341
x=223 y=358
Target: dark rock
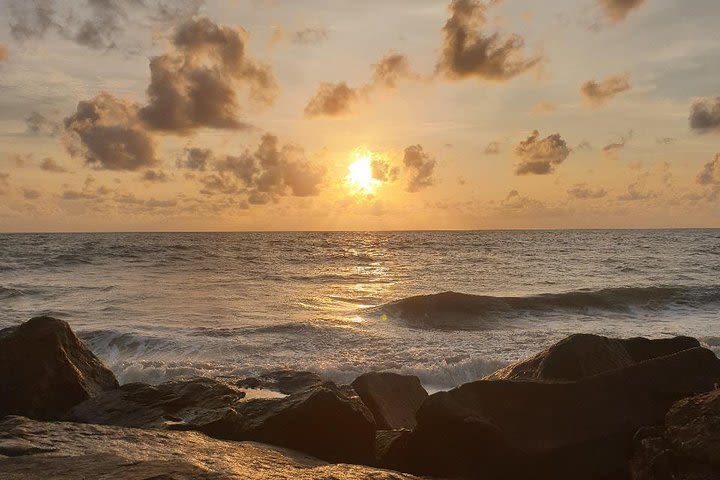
x=582 y=355
x=561 y=429
x=321 y=421
x=70 y=451
x=190 y=405
x=283 y=381
x=391 y=447
x=393 y=399
x=45 y=370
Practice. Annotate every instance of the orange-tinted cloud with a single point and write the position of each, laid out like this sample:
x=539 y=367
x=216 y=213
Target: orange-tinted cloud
x=710 y=174
x=332 y=100
x=618 y=10
x=392 y=68
x=50 y=165
x=544 y=107
x=582 y=191
x=3 y=53
x=540 y=156
x=596 y=93
x=468 y=52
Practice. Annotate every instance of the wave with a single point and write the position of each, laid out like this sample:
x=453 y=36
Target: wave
x=447 y=307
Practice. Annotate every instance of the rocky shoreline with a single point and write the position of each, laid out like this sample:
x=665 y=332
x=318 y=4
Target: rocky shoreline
x=589 y=407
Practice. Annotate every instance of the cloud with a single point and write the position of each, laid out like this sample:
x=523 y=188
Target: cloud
x=106 y=133
x=618 y=10
x=710 y=174
x=4 y=181
x=96 y=24
x=611 y=150
x=468 y=52
x=332 y=100
x=421 y=168
x=582 y=191
x=665 y=140
x=597 y=93
x=635 y=193
x=381 y=170
x=540 y=156
x=38 y=123
x=310 y=35
x=3 y=53
x=585 y=146
x=31 y=194
x=544 y=107
x=269 y=172
x=392 y=68
x=196 y=85
x=705 y=115
x=492 y=148
x=155 y=176
x=50 y=165
x=196 y=159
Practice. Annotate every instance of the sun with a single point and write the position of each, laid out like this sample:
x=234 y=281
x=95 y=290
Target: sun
x=360 y=177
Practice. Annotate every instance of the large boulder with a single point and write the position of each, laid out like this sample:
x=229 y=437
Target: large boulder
x=45 y=370
x=393 y=399
x=321 y=421
x=560 y=429
x=68 y=451
x=687 y=447
x=583 y=355
x=189 y=405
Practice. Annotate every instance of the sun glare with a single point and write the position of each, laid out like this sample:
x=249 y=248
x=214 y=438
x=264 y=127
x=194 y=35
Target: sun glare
x=360 y=176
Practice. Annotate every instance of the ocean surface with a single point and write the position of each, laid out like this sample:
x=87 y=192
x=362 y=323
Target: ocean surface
x=169 y=305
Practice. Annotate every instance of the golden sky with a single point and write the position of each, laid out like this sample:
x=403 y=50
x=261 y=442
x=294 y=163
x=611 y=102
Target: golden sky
x=344 y=115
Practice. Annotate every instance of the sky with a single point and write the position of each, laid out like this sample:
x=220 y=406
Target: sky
x=210 y=115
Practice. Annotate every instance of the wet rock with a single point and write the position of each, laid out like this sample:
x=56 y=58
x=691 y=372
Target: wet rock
x=393 y=399
x=558 y=429
x=45 y=370
x=191 y=405
x=321 y=421
x=69 y=451
x=283 y=381
x=687 y=447
x=583 y=355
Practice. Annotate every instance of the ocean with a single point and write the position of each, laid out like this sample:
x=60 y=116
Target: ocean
x=162 y=306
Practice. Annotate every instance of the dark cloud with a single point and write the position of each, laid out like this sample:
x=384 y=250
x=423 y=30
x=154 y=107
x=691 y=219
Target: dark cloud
x=106 y=133
x=516 y=203
x=196 y=159
x=50 y=165
x=269 y=172
x=612 y=149
x=585 y=146
x=705 y=115
x=392 y=68
x=196 y=85
x=96 y=24
x=710 y=174
x=383 y=171
x=618 y=10
x=38 y=123
x=583 y=191
x=31 y=194
x=155 y=176
x=310 y=35
x=596 y=93
x=77 y=195
x=492 y=148
x=468 y=52
x=540 y=156
x=332 y=100
x=420 y=166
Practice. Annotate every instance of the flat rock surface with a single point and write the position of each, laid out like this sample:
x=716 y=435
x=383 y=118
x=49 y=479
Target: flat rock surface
x=54 y=450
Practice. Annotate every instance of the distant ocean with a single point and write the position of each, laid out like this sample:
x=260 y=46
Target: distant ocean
x=169 y=305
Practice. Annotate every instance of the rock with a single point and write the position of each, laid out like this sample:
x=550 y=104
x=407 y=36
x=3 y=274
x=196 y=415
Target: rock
x=321 y=421
x=687 y=447
x=559 y=429
x=189 y=405
x=69 y=451
x=45 y=370
x=582 y=355
x=283 y=381
x=393 y=399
